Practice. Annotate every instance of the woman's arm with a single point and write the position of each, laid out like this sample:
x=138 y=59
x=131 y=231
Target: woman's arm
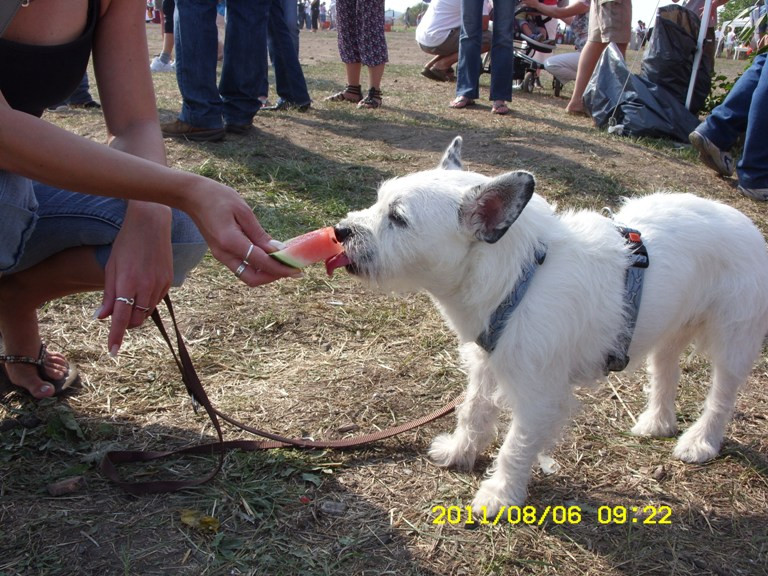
x=132 y=167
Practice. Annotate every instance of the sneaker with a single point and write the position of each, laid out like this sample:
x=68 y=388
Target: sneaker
x=179 y=129
x=283 y=105
x=58 y=108
x=760 y=194
x=90 y=105
x=158 y=65
x=721 y=162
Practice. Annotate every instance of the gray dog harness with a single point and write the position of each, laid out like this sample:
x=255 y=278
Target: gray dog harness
x=615 y=362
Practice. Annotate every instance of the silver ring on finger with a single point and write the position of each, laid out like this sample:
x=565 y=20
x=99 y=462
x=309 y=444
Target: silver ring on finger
x=248 y=255
x=124 y=300
x=144 y=309
x=241 y=268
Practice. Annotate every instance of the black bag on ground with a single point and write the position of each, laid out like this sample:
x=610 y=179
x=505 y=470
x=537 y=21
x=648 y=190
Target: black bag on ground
x=631 y=105
x=669 y=57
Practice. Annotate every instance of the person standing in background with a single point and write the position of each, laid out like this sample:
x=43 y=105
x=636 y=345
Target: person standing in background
x=209 y=110
x=470 y=50
x=609 y=21
x=362 y=42
x=163 y=62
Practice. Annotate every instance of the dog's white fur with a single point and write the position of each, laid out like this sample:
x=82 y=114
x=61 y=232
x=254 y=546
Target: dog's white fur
x=448 y=232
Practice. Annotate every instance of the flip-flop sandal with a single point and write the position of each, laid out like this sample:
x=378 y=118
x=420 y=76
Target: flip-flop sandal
x=61 y=386
x=461 y=102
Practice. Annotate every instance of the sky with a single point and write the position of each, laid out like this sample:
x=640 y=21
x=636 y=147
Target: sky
x=641 y=9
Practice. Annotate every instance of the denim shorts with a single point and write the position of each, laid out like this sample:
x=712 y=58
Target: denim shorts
x=38 y=221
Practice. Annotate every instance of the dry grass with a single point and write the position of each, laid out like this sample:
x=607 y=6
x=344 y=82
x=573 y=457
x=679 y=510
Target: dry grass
x=314 y=356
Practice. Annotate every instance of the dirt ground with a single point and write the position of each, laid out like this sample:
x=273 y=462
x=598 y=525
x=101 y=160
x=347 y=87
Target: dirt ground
x=325 y=357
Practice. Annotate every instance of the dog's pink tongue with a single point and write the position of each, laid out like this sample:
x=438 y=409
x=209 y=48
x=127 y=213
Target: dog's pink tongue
x=337 y=261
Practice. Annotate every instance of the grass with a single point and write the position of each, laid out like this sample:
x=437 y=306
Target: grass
x=322 y=356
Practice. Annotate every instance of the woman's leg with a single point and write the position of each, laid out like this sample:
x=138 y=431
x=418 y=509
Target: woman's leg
x=21 y=294
x=61 y=248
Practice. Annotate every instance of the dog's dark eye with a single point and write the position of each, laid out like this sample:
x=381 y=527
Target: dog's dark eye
x=397 y=218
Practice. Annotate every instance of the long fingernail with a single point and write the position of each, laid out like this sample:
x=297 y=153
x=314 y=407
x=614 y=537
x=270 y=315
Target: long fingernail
x=97 y=314
x=277 y=244
x=114 y=351
x=298 y=274
x=46 y=390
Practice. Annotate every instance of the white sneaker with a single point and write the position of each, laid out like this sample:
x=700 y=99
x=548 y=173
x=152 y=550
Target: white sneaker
x=158 y=65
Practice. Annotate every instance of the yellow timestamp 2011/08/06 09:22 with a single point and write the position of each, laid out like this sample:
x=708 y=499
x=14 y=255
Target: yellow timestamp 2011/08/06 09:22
x=532 y=515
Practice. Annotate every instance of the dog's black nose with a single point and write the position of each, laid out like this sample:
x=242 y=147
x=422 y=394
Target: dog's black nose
x=342 y=232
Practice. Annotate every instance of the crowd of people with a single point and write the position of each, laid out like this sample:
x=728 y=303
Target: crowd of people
x=81 y=213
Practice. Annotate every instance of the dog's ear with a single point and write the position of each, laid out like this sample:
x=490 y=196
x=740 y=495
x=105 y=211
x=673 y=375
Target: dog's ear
x=452 y=157
x=490 y=209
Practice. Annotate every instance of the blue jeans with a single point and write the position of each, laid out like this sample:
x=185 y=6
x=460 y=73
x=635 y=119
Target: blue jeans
x=235 y=101
x=744 y=111
x=502 y=50
x=38 y=221
x=283 y=44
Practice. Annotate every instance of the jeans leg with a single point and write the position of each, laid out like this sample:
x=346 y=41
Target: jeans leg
x=69 y=219
x=195 y=40
x=245 y=61
x=290 y=83
x=729 y=120
x=502 y=50
x=18 y=217
x=753 y=166
x=470 y=45
x=82 y=94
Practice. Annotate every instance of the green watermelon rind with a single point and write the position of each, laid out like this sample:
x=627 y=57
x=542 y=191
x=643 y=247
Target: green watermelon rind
x=287 y=259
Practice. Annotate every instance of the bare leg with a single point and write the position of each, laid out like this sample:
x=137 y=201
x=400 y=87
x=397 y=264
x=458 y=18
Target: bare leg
x=353 y=73
x=71 y=271
x=375 y=74
x=590 y=55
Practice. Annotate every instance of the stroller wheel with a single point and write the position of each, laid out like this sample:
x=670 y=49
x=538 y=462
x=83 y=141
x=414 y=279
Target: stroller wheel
x=528 y=82
x=557 y=87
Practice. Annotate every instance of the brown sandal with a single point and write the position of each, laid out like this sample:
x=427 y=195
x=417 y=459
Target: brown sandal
x=372 y=100
x=350 y=94
x=61 y=386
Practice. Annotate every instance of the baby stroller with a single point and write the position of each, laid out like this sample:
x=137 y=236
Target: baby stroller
x=526 y=69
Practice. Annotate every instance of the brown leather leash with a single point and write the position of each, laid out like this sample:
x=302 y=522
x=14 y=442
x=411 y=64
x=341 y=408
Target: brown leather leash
x=113 y=459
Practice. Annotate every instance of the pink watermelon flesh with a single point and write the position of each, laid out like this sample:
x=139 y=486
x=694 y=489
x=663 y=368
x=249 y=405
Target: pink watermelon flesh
x=316 y=246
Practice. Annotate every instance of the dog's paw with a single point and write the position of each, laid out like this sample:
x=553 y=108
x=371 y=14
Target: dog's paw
x=695 y=447
x=447 y=452
x=653 y=424
x=493 y=499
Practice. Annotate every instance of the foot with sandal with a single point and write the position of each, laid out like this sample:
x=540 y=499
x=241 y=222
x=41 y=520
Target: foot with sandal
x=26 y=364
x=353 y=92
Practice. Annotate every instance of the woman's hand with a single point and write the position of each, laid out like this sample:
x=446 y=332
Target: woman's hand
x=139 y=271
x=230 y=228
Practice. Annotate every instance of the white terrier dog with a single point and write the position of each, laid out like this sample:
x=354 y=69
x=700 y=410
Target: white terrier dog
x=468 y=239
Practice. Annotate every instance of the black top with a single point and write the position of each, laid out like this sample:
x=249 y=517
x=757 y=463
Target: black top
x=35 y=77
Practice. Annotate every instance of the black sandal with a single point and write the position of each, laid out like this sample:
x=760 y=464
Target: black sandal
x=372 y=100
x=61 y=386
x=350 y=94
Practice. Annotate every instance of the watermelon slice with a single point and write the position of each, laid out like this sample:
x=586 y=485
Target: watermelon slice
x=316 y=246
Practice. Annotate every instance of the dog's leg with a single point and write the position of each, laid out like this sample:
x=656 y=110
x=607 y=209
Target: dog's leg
x=476 y=423
x=732 y=358
x=534 y=425
x=658 y=418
